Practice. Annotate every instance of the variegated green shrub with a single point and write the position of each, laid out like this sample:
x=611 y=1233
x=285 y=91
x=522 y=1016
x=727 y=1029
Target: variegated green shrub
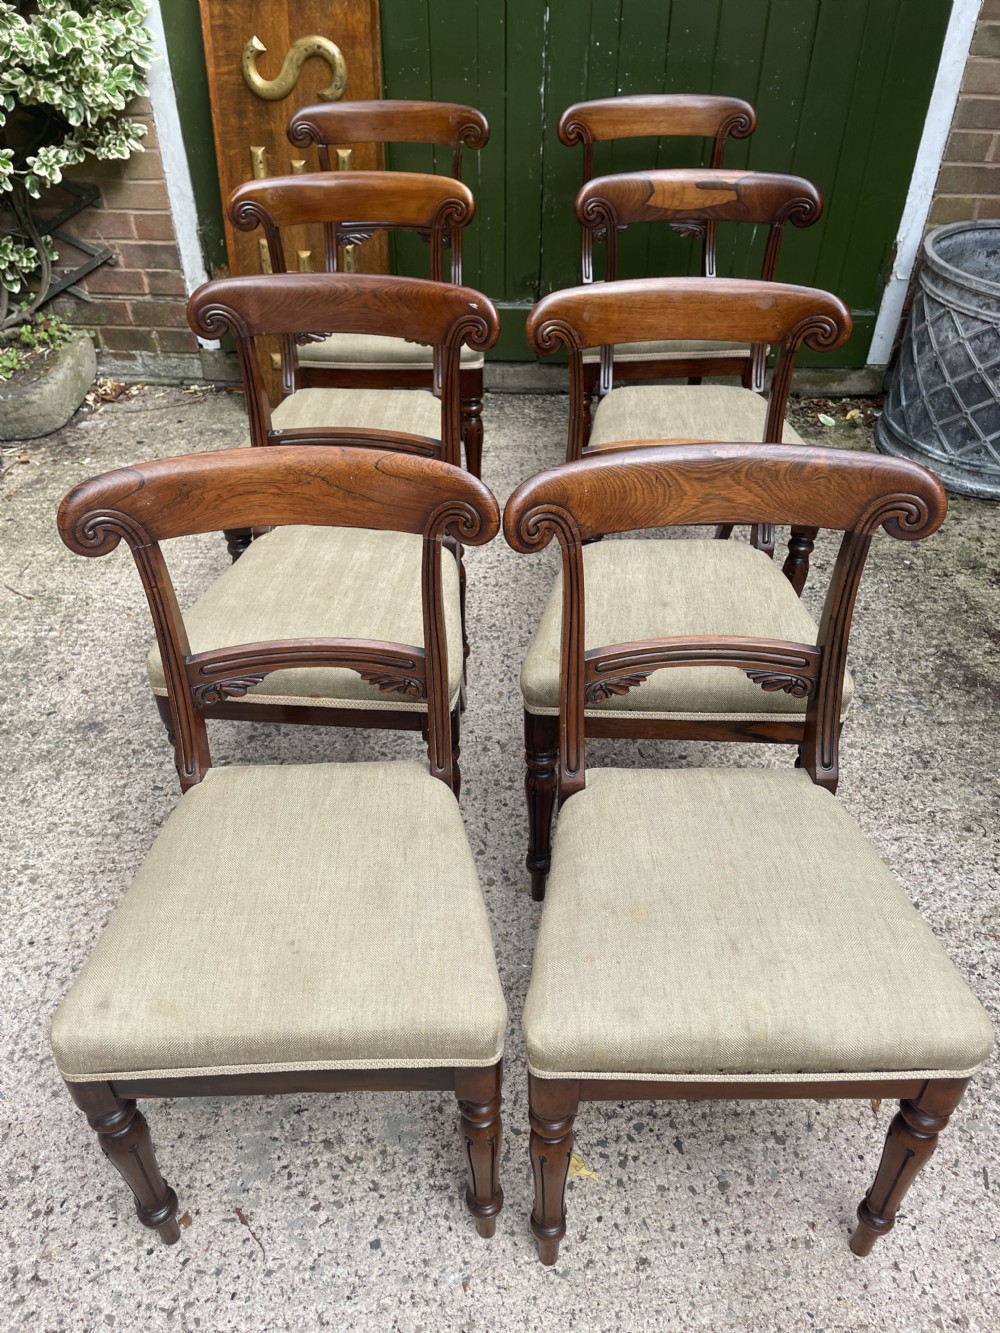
x=68 y=70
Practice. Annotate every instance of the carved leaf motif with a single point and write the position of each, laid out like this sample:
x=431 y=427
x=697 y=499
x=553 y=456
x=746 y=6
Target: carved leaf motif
x=219 y=690
x=599 y=690
x=688 y=227
x=303 y=339
x=389 y=684
x=800 y=687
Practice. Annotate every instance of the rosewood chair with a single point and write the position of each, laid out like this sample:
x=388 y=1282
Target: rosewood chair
x=730 y=933
x=349 y=204
x=303 y=580
x=642 y=588
x=378 y=361
x=692 y=200
x=301 y=927
x=666 y=116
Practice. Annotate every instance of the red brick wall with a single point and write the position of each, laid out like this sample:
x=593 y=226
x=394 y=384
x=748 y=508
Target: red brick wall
x=968 y=187
x=137 y=299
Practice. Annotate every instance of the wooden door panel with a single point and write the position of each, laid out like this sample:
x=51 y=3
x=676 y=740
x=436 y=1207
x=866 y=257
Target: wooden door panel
x=287 y=70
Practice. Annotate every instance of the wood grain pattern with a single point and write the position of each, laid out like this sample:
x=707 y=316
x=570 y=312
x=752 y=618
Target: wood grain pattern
x=389 y=121
x=730 y=309
x=692 y=115
x=354 y=204
x=707 y=484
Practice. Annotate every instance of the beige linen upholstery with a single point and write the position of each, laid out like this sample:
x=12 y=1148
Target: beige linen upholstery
x=734 y=921
x=670 y=351
x=412 y=411
x=681 y=412
x=314 y=916
x=645 y=589
x=306 y=583
x=373 y=351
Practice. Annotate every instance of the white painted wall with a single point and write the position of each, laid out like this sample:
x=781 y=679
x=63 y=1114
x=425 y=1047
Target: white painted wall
x=940 y=113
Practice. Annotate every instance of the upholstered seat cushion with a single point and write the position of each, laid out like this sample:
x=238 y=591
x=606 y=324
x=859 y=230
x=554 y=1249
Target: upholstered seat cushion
x=372 y=351
x=316 y=916
x=646 y=589
x=734 y=921
x=691 y=349
x=682 y=412
x=411 y=411
x=305 y=583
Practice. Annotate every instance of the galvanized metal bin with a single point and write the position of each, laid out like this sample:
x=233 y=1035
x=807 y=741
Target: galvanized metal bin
x=943 y=404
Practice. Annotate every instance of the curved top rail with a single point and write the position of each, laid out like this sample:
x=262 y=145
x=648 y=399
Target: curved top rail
x=390 y=198
x=703 y=484
x=652 y=114
x=336 y=486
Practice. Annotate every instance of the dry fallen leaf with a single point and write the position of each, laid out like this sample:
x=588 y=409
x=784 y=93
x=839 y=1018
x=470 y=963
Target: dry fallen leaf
x=579 y=1169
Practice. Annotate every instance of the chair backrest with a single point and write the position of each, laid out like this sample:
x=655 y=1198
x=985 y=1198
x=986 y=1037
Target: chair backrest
x=708 y=484
x=709 y=309
x=352 y=206
x=693 y=203
x=306 y=306
x=656 y=115
x=336 y=487
x=390 y=120
x=696 y=201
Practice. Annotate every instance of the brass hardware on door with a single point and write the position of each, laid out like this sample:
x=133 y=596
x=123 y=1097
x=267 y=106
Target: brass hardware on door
x=274 y=90
x=349 y=253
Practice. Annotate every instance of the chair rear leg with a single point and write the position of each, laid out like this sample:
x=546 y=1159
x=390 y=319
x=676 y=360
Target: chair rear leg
x=124 y=1138
x=541 y=754
x=478 y=1093
x=911 y=1139
x=472 y=433
x=800 y=548
x=237 y=541
x=552 y=1108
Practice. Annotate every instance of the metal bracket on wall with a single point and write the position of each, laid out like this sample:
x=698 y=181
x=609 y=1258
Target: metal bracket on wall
x=96 y=255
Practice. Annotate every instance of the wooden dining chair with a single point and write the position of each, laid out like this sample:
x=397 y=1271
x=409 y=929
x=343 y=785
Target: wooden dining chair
x=657 y=116
x=640 y=588
x=295 y=927
x=380 y=362
x=303 y=580
x=353 y=205
x=714 y=933
x=687 y=200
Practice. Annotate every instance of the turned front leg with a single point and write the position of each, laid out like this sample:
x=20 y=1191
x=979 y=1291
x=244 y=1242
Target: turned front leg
x=124 y=1137
x=552 y=1106
x=541 y=754
x=912 y=1137
x=478 y=1093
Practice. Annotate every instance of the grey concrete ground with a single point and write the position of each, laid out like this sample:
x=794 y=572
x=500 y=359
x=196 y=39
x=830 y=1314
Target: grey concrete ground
x=346 y=1211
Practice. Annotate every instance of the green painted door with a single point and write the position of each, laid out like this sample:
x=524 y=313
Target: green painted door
x=841 y=89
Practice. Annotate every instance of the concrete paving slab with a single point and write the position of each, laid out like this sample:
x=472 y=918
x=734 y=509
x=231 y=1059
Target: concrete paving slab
x=346 y=1212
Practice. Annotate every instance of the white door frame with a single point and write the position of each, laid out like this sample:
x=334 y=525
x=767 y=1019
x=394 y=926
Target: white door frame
x=176 y=170
x=920 y=196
